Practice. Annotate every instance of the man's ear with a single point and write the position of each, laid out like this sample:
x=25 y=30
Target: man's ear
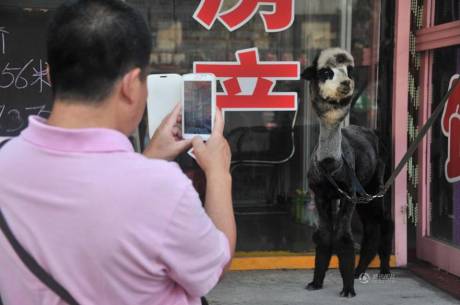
x=130 y=84
x=309 y=73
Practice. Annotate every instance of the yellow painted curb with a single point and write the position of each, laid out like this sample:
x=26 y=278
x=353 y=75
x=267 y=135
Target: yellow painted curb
x=241 y=262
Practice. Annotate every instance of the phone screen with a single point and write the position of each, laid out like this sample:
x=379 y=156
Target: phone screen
x=197 y=107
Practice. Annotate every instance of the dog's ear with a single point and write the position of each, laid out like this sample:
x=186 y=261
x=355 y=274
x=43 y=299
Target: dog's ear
x=309 y=73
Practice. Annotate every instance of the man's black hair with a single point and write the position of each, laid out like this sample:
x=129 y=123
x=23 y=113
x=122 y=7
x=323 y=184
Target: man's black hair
x=93 y=43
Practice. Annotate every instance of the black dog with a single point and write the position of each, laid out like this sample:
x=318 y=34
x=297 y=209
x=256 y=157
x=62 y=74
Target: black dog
x=331 y=88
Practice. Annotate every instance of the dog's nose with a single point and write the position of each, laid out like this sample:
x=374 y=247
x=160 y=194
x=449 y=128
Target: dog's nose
x=345 y=83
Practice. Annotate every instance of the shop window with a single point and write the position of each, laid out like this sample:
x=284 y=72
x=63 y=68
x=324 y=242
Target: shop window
x=446 y=11
x=445 y=187
x=271 y=149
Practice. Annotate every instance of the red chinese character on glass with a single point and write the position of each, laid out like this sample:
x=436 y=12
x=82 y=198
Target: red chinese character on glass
x=278 y=19
x=451 y=129
x=248 y=83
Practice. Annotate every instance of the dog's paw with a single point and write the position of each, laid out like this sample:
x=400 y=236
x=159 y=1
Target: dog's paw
x=313 y=286
x=348 y=292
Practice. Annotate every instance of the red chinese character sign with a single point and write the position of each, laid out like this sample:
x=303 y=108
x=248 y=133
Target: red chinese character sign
x=248 y=82
x=278 y=19
x=451 y=129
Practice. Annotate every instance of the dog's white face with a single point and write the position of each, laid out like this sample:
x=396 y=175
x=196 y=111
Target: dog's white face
x=333 y=73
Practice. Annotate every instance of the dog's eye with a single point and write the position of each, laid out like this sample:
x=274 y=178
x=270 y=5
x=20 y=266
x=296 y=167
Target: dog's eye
x=350 y=71
x=325 y=73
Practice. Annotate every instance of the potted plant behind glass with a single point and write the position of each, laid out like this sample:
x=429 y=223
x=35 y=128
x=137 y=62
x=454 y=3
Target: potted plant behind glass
x=303 y=208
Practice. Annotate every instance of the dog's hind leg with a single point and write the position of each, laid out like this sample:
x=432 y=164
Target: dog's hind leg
x=371 y=215
x=370 y=241
x=323 y=240
x=386 y=242
x=345 y=248
x=386 y=226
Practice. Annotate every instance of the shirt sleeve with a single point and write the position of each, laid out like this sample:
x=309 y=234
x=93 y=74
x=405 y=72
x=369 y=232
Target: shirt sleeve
x=194 y=251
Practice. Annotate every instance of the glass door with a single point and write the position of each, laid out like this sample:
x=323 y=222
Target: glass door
x=438 y=236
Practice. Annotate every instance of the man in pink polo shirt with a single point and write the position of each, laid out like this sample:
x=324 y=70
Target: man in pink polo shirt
x=110 y=225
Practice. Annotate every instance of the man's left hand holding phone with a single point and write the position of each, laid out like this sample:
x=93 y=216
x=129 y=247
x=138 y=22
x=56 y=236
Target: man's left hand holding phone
x=167 y=142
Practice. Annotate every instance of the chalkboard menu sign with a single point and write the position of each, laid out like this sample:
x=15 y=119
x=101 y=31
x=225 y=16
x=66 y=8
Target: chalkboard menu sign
x=24 y=86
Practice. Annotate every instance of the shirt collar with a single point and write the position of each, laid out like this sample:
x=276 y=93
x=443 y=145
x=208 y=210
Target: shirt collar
x=75 y=140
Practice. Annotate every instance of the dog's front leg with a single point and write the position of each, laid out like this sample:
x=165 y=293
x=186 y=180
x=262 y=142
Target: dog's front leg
x=323 y=240
x=345 y=248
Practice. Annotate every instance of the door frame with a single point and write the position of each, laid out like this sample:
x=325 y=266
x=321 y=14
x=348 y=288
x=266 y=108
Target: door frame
x=399 y=126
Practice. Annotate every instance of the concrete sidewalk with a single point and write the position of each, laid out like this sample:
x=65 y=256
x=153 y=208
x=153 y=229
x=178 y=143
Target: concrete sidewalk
x=287 y=288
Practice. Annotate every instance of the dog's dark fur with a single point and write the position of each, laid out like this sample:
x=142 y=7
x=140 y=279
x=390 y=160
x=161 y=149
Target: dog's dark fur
x=331 y=97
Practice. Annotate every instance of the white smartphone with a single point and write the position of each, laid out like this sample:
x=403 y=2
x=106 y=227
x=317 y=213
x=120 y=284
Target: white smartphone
x=165 y=91
x=199 y=103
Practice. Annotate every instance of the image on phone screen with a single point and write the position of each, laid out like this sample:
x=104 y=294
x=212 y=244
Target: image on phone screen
x=197 y=107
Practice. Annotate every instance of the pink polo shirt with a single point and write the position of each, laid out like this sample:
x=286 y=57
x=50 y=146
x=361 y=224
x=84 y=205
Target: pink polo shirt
x=112 y=226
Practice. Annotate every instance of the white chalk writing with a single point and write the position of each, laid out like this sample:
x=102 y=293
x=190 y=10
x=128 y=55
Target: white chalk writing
x=3 y=34
x=16 y=120
x=40 y=75
x=37 y=110
x=23 y=74
x=14 y=116
x=18 y=77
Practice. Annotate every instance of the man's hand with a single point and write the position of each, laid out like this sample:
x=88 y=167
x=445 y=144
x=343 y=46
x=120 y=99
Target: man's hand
x=167 y=142
x=214 y=156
